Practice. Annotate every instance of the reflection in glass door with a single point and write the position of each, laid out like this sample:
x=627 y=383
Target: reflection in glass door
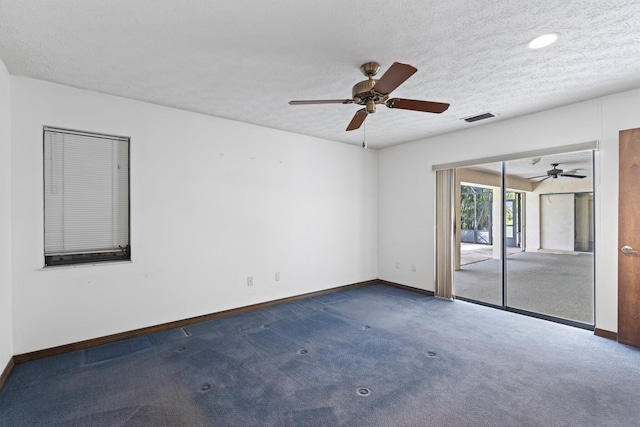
x=554 y=276
x=478 y=266
x=540 y=261
x=584 y=222
x=512 y=219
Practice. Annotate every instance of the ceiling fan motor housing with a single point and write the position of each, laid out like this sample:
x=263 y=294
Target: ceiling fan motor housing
x=363 y=93
x=555 y=171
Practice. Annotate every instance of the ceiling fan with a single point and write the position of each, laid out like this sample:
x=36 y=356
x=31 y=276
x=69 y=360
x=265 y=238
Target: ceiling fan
x=374 y=92
x=555 y=173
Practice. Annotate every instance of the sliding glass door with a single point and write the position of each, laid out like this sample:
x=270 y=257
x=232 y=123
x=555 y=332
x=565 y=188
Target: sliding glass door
x=534 y=253
x=554 y=275
x=478 y=268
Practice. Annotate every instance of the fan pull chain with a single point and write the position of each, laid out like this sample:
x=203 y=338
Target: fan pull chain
x=364 y=136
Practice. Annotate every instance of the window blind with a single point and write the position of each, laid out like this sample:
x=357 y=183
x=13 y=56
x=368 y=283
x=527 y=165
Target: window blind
x=86 y=193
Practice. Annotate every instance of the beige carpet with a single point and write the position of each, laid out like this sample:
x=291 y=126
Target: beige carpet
x=559 y=285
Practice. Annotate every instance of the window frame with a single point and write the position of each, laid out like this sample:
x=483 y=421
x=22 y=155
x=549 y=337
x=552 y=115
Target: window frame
x=87 y=256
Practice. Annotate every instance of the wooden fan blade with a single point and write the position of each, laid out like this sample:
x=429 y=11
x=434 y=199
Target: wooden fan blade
x=417 y=105
x=321 y=101
x=539 y=176
x=394 y=77
x=572 y=175
x=544 y=179
x=358 y=119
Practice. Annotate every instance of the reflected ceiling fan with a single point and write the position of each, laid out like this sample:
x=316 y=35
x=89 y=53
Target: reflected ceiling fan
x=374 y=92
x=555 y=173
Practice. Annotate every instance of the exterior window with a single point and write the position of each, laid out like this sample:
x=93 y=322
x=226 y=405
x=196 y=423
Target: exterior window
x=86 y=197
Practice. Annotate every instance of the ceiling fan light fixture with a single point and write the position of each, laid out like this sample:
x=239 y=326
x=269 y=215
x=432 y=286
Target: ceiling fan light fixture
x=543 y=41
x=371 y=106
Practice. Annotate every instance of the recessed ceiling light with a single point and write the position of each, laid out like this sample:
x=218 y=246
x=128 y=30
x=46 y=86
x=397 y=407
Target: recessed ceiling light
x=543 y=41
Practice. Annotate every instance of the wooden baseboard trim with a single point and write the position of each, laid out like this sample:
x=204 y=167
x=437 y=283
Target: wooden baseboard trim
x=94 y=342
x=6 y=372
x=408 y=288
x=606 y=334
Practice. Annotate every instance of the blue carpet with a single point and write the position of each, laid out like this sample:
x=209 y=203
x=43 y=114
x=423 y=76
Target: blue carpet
x=118 y=349
x=374 y=356
x=331 y=298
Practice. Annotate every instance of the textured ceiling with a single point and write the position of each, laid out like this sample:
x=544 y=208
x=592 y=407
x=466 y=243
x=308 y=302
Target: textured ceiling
x=577 y=162
x=244 y=60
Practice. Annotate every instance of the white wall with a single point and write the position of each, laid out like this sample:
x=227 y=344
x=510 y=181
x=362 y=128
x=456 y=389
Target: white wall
x=535 y=225
x=212 y=202
x=406 y=190
x=557 y=224
x=6 y=346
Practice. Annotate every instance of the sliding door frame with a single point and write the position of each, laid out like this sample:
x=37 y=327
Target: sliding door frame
x=592 y=146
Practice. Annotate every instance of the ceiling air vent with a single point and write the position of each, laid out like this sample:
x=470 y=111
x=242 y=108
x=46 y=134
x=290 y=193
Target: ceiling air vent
x=478 y=117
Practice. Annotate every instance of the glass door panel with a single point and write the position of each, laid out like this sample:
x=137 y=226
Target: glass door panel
x=551 y=271
x=532 y=253
x=512 y=219
x=478 y=266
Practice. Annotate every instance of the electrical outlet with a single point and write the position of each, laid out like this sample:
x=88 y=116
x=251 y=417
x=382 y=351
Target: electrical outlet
x=277 y=276
x=413 y=267
x=398 y=265
x=250 y=281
